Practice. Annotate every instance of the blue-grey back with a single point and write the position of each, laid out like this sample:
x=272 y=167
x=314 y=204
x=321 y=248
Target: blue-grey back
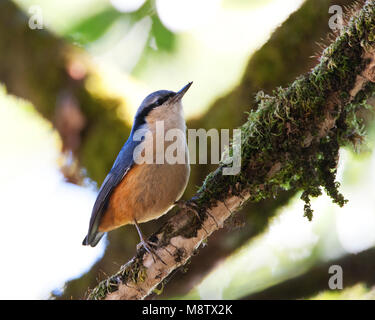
x=121 y=166
x=123 y=162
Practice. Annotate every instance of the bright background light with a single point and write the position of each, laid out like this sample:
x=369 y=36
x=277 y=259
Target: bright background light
x=127 y=5
x=183 y=15
x=43 y=219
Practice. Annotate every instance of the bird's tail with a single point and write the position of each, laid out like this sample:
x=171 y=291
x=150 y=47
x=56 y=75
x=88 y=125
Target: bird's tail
x=93 y=239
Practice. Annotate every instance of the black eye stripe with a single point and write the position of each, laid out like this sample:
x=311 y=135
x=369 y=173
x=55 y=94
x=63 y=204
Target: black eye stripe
x=140 y=119
x=160 y=101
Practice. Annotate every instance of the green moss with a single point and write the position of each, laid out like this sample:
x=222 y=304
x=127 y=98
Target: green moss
x=134 y=272
x=292 y=127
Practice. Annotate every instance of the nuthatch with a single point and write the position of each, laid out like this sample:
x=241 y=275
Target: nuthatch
x=133 y=193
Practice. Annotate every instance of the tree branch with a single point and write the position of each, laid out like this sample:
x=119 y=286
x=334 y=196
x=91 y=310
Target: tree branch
x=357 y=268
x=291 y=141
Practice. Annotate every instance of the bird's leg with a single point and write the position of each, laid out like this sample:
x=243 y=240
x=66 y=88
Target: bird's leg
x=148 y=245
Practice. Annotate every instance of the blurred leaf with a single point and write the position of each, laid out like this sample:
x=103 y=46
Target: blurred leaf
x=165 y=39
x=93 y=27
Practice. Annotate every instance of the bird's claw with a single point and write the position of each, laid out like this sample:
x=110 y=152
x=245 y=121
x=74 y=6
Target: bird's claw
x=149 y=247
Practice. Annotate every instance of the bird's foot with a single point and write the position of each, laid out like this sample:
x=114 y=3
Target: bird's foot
x=147 y=244
x=150 y=246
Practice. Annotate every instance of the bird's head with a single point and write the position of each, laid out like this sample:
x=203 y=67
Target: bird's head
x=159 y=105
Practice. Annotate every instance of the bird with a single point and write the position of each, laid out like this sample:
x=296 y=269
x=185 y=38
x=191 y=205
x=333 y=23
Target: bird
x=134 y=192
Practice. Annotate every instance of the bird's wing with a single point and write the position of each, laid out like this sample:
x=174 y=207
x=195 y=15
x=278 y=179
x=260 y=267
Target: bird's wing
x=120 y=168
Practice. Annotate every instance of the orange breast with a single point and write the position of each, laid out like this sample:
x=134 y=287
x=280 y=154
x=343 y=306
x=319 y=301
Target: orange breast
x=123 y=203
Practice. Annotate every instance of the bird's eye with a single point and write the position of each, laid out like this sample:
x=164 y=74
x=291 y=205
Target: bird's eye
x=159 y=102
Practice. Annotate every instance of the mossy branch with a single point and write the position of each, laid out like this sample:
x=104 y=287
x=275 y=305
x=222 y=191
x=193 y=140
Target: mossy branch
x=291 y=141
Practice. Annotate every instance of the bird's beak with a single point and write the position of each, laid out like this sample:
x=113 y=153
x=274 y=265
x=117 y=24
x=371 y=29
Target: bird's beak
x=182 y=92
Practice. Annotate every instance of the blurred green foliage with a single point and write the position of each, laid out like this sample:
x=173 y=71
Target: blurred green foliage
x=93 y=27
